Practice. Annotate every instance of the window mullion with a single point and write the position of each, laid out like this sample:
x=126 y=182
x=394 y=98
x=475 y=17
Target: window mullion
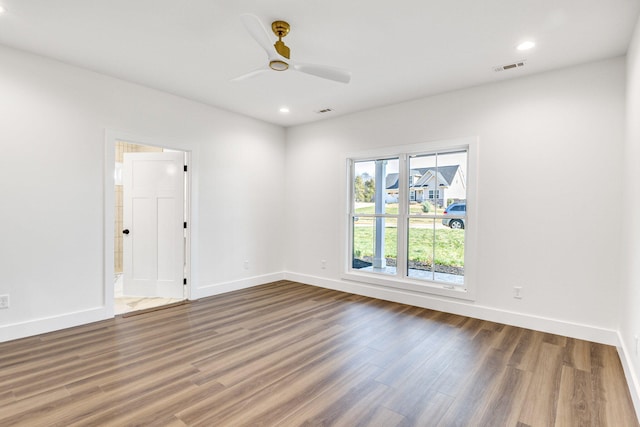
x=350 y=211
x=403 y=212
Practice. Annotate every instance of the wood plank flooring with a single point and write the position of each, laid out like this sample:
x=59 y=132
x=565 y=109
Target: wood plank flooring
x=287 y=354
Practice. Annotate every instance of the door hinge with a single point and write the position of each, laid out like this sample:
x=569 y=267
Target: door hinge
x=185 y=168
x=185 y=224
x=184 y=281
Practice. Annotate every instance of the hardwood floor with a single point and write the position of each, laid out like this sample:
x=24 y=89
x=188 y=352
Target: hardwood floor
x=287 y=354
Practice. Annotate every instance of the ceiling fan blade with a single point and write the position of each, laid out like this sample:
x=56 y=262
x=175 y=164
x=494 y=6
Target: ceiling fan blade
x=325 y=72
x=259 y=33
x=250 y=75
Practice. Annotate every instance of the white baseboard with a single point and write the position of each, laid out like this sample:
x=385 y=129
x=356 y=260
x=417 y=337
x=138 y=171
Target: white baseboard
x=221 y=288
x=560 y=327
x=543 y=324
x=29 y=328
x=632 y=379
x=33 y=327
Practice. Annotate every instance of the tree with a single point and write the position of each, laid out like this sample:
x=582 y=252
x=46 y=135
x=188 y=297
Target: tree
x=364 y=189
x=358 y=189
x=369 y=190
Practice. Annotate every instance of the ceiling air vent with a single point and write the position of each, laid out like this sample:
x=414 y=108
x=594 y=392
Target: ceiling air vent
x=509 y=66
x=324 y=110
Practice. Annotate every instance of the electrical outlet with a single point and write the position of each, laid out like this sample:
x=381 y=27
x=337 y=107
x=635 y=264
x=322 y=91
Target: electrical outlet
x=323 y=264
x=517 y=292
x=4 y=301
x=246 y=264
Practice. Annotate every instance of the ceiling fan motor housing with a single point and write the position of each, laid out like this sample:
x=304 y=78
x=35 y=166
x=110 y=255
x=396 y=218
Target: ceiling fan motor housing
x=280 y=28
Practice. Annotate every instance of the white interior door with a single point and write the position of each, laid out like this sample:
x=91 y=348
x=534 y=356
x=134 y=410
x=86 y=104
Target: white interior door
x=153 y=220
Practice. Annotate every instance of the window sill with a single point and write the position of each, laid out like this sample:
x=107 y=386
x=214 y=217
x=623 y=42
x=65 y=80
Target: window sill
x=428 y=287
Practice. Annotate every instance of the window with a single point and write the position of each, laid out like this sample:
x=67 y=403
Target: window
x=399 y=237
x=435 y=249
x=375 y=217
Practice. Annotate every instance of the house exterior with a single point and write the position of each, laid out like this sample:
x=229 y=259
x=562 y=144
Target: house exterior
x=437 y=185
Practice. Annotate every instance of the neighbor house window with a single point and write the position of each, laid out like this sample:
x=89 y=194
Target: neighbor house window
x=400 y=238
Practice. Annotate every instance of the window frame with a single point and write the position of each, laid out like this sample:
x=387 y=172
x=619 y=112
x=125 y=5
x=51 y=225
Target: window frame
x=401 y=281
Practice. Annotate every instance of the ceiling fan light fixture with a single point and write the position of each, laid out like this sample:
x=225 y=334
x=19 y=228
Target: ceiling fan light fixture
x=278 y=65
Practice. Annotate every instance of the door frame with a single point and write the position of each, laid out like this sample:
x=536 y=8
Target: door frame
x=111 y=138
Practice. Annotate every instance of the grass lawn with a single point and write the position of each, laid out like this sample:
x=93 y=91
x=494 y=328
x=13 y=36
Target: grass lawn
x=449 y=244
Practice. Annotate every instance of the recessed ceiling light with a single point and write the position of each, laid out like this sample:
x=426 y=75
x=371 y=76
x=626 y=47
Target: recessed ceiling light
x=526 y=45
x=284 y=110
x=2 y=10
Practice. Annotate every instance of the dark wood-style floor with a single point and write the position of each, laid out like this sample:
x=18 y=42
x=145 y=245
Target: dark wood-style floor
x=287 y=354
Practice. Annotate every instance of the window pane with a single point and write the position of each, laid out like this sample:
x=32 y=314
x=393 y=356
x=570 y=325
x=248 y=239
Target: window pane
x=374 y=250
x=452 y=181
x=435 y=252
x=449 y=255
x=437 y=180
x=375 y=187
x=420 y=248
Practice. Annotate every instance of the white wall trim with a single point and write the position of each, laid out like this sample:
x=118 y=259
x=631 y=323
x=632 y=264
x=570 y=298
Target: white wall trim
x=234 y=285
x=108 y=243
x=29 y=328
x=632 y=379
x=471 y=145
x=44 y=325
x=538 y=323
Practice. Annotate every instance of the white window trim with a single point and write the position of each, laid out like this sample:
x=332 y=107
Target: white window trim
x=466 y=292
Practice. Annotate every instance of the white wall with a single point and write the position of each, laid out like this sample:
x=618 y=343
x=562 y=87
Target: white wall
x=630 y=325
x=53 y=119
x=550 y=144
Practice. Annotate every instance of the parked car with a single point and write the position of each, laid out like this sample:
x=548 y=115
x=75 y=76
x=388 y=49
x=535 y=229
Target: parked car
x=455 y=209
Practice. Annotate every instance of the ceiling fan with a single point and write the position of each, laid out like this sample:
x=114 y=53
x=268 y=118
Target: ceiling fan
x=279 y=53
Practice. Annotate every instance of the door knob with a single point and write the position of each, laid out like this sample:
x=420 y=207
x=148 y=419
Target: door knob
x=125 y=231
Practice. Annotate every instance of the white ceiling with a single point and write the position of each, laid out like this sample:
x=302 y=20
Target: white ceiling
x=396 y=50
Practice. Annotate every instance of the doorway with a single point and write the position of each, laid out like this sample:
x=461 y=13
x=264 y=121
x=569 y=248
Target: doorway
x=150 y=241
